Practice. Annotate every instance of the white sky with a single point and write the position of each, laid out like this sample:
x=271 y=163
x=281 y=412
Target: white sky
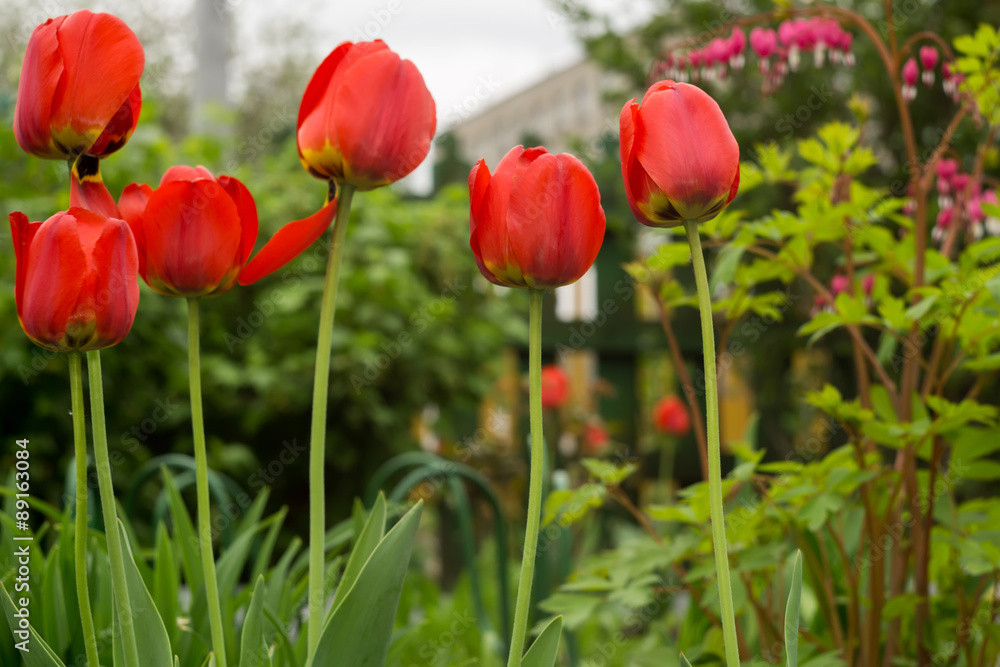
x=471 y=53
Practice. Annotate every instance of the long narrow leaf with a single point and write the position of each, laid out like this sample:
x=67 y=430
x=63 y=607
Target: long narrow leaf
x=359 y=630
x=368 y=539
x=792 y=614
x=39 y=653
x=150 y=633
x=545 y=649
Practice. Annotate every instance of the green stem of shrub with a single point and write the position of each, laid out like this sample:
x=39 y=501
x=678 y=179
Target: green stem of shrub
x=714 y=448
x=201 y=483
x=80 y=544
x=536 y=478
x=119 y=586
x=317 y=437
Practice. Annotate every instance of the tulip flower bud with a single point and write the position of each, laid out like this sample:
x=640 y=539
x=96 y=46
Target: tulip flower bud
x=79 y=87
x=679 y=158
x=194 y=232
x=366 y=117
x=537 y=222
x=555 y=387
x=76 y=285
x=671 y=417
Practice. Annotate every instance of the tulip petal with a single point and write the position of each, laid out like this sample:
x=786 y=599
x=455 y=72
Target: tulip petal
x=116 y=286
x=87 y=190
x=182 y=172
x=316 y=90
x=40 y=74
x=491 y=218
x=384 y=119
x=479 y=180
x=22 y=232
x=103 y=61
x=192 y=238
x=121 y=126
x=132 y=205
x=248 y=214
x=287 y=244
x=53 y=285
x=555 y=221
x=639 y=188
x=684 y=143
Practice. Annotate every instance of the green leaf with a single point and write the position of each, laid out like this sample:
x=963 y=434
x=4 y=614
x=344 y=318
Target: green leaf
x=359 y=630
x=894 y=312
x=166 y=581
x=184 y=534
x=150 y=633
x=725 y=266
x=792 y=614
x=55 y=624
x=983 y=471
x=567 y=506
x=669 y=255
x=253 y=645
x=371 y=535
x=39 y=653
x=545 y=649
x=684 y=661
x=607 y=472
x=915 y=313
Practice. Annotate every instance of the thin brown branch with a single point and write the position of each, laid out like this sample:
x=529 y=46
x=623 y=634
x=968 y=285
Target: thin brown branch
x=690 y=395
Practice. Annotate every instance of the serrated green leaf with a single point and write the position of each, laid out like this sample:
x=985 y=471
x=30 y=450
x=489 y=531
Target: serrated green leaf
x=725 y=266
x=607 y=472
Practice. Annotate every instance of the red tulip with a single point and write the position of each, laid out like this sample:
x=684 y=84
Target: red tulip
x=680 y=160
x=595 y=439
x=194 y=232
x=555 y=387
x=537 y=222
x=76 y=284
x=79 y=88
x=366 y=117
x=671 y=417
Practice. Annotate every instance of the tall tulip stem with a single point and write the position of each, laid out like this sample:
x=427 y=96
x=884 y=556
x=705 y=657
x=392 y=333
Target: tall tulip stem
x=119 y=586
x=536 y=478
x=714 y=447
x=201 y=483
x=80 y=543
x=317 y=436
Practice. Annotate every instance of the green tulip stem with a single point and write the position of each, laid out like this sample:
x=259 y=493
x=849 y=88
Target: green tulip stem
x=536 y=479
x=110 y=511
x=80 y=543
x=317 y=435
x=201 y=484
x=714 y=447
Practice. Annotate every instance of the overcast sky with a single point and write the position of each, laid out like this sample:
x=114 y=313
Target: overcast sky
x=471 y=53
